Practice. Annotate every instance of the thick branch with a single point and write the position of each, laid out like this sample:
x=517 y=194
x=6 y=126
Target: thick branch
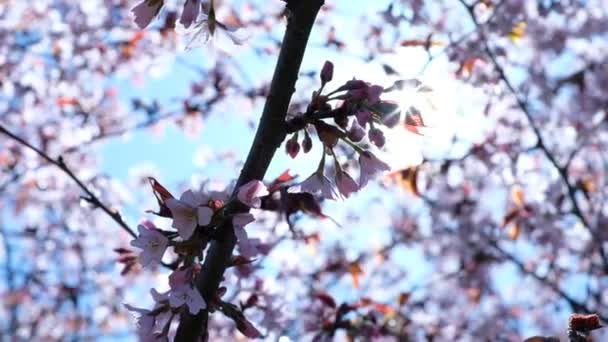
x=269 y=136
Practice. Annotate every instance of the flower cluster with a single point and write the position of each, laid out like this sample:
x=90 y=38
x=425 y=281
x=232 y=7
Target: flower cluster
x=196 y=215
x=207 y=29
x=359 y=112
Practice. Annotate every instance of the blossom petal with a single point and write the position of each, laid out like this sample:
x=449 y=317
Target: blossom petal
x=205 y=214
x=251 y=192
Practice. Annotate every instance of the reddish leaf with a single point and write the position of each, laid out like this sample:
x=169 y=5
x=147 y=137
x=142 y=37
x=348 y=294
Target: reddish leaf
x=514 y=231
x=162 y=195
x=326 y=299
x=584 y=323
x=466 y=68
x=512 y=215
x=542 y=339
x=67 y=101
x=283 y=178
x=413 y=120
x=122 y=250
x=408 y=179
x=404 y=298
x=159 y=191
x=426 y=43
x=240 y=260
x=356 y=272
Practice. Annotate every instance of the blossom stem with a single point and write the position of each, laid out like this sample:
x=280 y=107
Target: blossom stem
x=353 y=145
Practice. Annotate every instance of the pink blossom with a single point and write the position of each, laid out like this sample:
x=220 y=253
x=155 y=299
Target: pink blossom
x=246 y=247
x=346 y=184
x=153 y=244
x=145 y=321
x=370 y=165
x=180 y=278
x=210 y=30
x=251 y=192
x=373 y=93
x=376 y=137
x=356 y=132
x=188 y=295
x=146 y=11
x=159 y=297
x=317 y=183
x=189 y=211
x=190 y=12
x=359 y=90
x=242 y=219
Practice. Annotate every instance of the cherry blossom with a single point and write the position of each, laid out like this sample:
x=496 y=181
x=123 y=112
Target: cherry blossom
x=188 y=295
x=318 y=184
x=189 y=211
x=370 y=165
x=345 y=183
x=153 y=244
x=190 y=12
x=246 y=245
x=251 y=192
x=210 y=31
x=146 y=11
x=145 y=321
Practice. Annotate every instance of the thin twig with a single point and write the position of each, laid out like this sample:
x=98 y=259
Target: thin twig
x=60 y=163
x=523 y=105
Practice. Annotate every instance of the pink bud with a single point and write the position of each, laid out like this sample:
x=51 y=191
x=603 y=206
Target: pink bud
x=292 y=147
x=327 y=73
x=307 y=142
x=376 y=137
x=353 y=84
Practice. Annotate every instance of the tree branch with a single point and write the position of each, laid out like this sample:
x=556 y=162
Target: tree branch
x=523 y=105
x=60 y=163
x=269 y=136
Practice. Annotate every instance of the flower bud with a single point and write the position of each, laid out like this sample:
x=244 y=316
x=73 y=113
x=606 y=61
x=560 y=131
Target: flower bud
x=376 y=137
x=307 y=142
x=327 y=72
x=292 y=147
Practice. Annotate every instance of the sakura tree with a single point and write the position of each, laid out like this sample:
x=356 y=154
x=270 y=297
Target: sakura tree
x=390 y=170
